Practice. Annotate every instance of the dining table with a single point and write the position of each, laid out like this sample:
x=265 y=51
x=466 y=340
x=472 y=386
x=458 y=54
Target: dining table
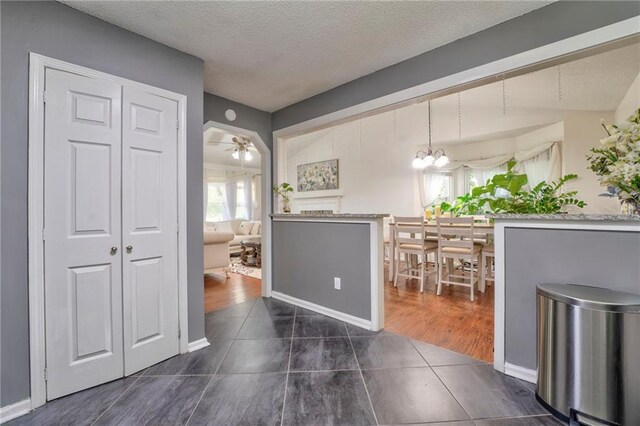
x=481 y=230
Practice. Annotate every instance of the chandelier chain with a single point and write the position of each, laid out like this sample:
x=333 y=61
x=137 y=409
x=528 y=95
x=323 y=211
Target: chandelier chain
x=559 y=83
x=459 y=117
x=504 y=96
x=429 y=114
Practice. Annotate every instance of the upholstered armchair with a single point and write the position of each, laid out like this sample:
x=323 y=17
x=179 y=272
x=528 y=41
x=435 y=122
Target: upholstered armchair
x=216 y=249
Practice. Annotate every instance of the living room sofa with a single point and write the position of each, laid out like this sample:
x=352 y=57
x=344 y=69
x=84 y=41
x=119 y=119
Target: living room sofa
x=240 y=228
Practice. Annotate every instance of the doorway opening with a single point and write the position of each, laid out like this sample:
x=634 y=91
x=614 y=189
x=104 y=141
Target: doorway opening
x=540 y=122
x=235 y=205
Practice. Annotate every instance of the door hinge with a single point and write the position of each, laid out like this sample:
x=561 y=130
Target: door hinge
x=44 y=235
x=46 y=375
x=44 y=97
x=179 y=333
x=177 y=124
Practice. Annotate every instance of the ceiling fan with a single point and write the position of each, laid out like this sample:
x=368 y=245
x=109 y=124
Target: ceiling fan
x=242 y=148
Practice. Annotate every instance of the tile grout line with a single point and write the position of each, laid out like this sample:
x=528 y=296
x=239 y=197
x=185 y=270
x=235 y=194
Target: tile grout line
x=286 y=380
x=116 y=400
x=440 y=380
x=218 y=367
x=375 y=416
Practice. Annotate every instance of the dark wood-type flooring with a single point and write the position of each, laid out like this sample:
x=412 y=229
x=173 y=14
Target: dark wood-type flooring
x=449 y=321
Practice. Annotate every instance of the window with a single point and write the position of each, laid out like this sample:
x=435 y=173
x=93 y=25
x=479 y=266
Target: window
x=479 y=177
x=438 y=188
x=242 y=211
x=216 y=204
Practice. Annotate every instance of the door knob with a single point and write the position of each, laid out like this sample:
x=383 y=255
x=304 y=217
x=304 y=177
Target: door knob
x=129 y=249
x=114 y=250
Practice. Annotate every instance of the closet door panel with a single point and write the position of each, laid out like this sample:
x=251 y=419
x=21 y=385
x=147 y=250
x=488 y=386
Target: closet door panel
x=82 y=269
x=149 y=227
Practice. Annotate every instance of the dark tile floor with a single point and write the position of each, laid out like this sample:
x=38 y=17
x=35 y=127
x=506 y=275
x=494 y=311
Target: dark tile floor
x=272 y=364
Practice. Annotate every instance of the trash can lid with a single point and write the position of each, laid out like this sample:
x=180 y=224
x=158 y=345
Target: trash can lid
x=590 y=297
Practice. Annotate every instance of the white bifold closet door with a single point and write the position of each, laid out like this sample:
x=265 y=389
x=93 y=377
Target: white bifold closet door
x=83 y=267
x=150 y=229
x=109 y=183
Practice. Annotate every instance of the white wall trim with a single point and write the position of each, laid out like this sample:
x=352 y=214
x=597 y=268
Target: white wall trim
x=376 y=243
x=37 y=66
x=359 y=322
x=10 y=412
x=522 y=373
x=198 y=344
x=265 y=197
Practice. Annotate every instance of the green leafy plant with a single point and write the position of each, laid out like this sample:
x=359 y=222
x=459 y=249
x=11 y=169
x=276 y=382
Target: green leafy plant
x=506 y=193
x=284 y=190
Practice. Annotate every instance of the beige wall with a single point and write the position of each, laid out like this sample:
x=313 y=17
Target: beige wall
x=630 y=103
x=582 y=131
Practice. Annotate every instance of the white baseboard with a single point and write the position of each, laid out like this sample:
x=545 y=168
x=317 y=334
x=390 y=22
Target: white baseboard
x=520 y=372
x=198 y=344
x=359 y=322
x=15 y=410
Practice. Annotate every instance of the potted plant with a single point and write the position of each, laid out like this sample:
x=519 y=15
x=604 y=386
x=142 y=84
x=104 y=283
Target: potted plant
x=284 y=191
x=617 y=163
x=506 y=193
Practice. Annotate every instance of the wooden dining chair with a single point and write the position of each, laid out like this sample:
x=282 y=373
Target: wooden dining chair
x=410 y=236
x=456 y=240
x=385 y=234
x=486 y=266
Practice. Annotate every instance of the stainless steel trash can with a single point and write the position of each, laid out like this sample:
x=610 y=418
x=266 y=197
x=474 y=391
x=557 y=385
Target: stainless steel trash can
x=589 y=354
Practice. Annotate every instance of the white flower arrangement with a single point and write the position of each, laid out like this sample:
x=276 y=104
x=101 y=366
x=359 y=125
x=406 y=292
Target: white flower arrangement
x=617 y=161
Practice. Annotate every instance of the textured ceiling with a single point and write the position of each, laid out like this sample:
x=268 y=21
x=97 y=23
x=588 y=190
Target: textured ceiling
x=271 y=54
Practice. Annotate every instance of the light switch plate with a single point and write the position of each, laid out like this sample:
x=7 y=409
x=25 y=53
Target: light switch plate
x=336 y=283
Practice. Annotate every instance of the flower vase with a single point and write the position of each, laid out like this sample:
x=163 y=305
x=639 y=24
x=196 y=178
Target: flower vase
x=286 y=205
x=629 y=208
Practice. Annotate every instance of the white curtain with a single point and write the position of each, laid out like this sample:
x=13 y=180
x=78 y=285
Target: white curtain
x=430 y=186
x=231 y=200
x=541 y=163
x=483 y=175
x=248 y=196
x=205 y=198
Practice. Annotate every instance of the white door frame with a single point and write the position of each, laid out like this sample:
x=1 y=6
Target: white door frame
x=541 y=55
x=37 y=66
x=265 y=196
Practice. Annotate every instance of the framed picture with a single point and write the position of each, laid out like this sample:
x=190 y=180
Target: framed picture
x=319 y=176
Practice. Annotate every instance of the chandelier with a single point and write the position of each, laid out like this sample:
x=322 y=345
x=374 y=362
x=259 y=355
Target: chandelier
x=424 y=159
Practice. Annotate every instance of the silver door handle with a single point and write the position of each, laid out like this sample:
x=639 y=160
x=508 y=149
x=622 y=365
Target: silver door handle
x=129 y=249
x=114 y=250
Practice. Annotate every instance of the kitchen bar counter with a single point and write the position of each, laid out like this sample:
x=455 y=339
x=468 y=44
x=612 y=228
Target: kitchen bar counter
x=332 y=264
x=329 y=215
x=596 y=250
x=569 y=217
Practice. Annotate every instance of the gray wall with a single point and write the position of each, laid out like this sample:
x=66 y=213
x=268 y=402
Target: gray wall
x=533 y=256
x=58 y=31
x=247 y=117
x=308 y=255
x=549 y=24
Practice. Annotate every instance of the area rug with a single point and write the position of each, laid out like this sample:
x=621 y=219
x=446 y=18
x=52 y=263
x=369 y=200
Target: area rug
x=239 y=268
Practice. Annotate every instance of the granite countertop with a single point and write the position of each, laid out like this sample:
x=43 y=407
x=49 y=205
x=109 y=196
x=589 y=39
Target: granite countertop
x=329 y=215
x=568 y=217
